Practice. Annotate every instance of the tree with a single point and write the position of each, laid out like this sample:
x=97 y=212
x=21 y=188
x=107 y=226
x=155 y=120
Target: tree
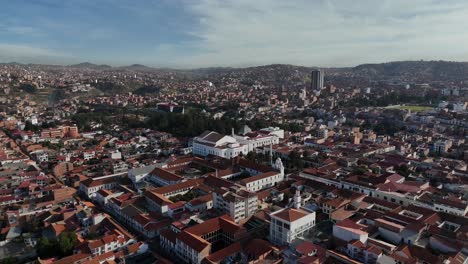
x=34 y=225
x=360 y=170
x=244 y=174
x=46 y=248
x=252 y=156
x=403 y=170
x=28 y=87
x=28 y=126
x=296 y=160
x=67 y=242
x=9 y=260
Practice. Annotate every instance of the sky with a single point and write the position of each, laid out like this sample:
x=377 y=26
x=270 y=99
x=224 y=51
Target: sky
x=210 y=33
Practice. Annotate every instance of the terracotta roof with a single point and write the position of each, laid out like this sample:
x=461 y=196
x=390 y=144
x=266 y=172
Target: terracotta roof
x=192 y=241
x=259 y=177
x=201 y=199
x=257 y=247
x=93 y=183
x=95 y=244
x=165 y=175
x=168 y=234
x=223 y=222
x=177 y=205
x=337 y=202
x=220 y=255
x=72 y=259
x=157 y=198
x=351 y=226
x=290 y=214
x=178 y=186
x=217 y=182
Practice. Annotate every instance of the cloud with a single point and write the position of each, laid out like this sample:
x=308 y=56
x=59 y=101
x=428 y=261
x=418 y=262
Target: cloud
x=325 y=33
x=27 y=53
x=202 y=33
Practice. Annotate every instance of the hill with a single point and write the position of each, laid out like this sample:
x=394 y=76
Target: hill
x=416 y=71
x=137 y=67
x=424 y=70
x=88 y=65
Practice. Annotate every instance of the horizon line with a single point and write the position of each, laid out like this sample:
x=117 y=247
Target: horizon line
x=114 y=66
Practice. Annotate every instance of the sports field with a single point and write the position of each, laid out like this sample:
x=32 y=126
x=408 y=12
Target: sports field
x=415 y=108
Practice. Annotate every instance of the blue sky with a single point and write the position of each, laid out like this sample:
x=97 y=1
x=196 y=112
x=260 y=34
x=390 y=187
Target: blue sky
x=204 y=33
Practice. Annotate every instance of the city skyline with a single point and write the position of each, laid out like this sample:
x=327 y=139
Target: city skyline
x=192 y=34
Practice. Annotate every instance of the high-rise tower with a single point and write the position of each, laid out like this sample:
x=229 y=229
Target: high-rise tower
x=316 y=80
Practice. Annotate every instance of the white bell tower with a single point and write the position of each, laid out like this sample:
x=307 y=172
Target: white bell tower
x=279 y=166
x=297 y=199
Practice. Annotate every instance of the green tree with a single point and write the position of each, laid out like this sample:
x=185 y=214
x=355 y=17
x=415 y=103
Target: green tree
x=67 y=242
x=33 y=225
x=403 y=170
x=296 y=160
x=28 y=87
x=46 y=248
x=30 y=127
x=360 y=170
x=252 y=156
x=9 y=260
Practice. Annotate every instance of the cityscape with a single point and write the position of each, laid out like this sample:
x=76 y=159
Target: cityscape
x=265 y=162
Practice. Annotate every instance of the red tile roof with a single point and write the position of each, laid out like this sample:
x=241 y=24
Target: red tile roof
x=290 y=214
x=192 y=241
x=165 y=175
x=220 y=255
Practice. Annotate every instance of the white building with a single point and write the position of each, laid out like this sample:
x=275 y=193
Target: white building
x=347 y=230
x=115 y=155
x=41 y=156
x=266 y=179
x=219 y=145
x=442 y=146
x=231 y=146
x=239 y=204
x=254 y=140
x=163 y=177
x=88 y=155
x=90 y=186
x=459 y=107
x=290 y=223
x=137 y=175
x=274 y=131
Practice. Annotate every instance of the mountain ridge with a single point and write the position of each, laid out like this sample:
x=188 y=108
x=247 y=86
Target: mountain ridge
x=431 y=70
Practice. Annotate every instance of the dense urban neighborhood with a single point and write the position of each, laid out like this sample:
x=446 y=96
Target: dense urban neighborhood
x=269 y=164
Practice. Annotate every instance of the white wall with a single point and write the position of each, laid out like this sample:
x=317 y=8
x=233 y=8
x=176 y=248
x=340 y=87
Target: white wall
x=347 y=235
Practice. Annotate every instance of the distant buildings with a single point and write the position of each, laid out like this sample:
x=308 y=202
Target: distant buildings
x=60 y=132
x=170 y=108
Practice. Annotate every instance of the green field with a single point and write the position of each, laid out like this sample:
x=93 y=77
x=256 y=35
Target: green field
x=415 y=108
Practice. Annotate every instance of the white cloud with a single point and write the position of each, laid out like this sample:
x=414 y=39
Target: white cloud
x=325 y=33
x=27 y=53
